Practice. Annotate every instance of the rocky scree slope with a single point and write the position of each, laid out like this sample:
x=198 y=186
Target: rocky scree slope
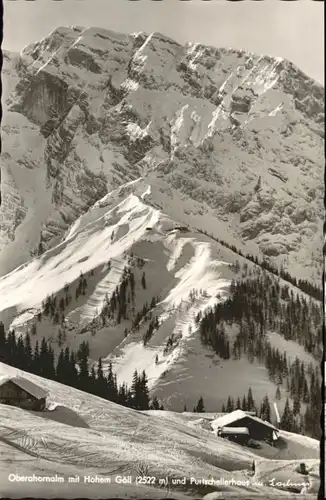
x=231 y=142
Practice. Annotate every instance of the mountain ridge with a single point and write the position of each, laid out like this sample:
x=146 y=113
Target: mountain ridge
x=113 y=118
x=185 y=274
x=144 y=183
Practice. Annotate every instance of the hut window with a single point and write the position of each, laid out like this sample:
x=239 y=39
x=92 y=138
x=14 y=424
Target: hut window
x=9 y=391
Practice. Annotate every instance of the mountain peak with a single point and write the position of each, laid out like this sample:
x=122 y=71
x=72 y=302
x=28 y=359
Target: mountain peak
x=162 y=210
x=106 y=108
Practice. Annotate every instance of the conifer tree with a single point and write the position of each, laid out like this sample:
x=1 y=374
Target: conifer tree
x=43 y=357
x=287 y=417
x=122 y=395
x=229 y=405
x=111 y=384
x=50 y=368
x=128 y=397
x=296 y=405
x=20 y=353
x=28 y=352
x=144 y=392
x=135 y=391
x=3 y=345
x=101 y=383
x=67 y=372
x=265 y=411
x=36 y=360
x=200 y=408
x=13 y=350
x=72 y=372
x=60 y=369
x=250 y=401
x=155 y=405
x=93 y=380
x=82 y=360
x=305 y=396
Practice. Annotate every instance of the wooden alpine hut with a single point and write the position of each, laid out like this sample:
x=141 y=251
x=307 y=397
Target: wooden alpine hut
x=21 y=392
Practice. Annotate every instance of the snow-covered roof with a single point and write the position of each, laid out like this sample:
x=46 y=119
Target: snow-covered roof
x=229 y=418
x=26 y=385
x=235 y=430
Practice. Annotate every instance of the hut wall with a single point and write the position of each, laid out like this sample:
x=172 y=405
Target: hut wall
x=257 y=431
x=13 y=395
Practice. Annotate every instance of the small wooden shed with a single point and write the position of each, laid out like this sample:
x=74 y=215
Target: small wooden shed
x=21 y=392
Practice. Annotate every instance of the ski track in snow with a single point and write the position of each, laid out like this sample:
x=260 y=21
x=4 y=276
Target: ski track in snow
x=122 y=440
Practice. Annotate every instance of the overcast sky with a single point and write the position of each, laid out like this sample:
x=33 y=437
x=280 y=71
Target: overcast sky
x=294 y=30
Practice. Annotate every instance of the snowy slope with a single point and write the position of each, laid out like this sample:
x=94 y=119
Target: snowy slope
x=88 y=436
x=116 y=149
x=186 y=270
x=229 y=141
x=120 y=231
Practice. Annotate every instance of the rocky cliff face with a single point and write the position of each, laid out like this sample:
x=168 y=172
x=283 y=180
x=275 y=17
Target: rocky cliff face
x=230 y=142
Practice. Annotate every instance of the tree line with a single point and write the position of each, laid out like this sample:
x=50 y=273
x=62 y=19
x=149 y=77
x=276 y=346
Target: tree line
x=117 y=307
x=291 y=420
x=304 y=285
x=73 y=369
x=259 y=305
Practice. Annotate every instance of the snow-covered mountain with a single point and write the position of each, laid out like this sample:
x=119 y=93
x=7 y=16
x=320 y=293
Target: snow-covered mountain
x=86 y=436
x=122 y=231
x=177 y=273
x=117 y=153
x=228 y=142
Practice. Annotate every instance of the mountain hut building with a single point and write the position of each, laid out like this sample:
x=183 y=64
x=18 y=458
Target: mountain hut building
x=240 y=426
x=18 y=391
